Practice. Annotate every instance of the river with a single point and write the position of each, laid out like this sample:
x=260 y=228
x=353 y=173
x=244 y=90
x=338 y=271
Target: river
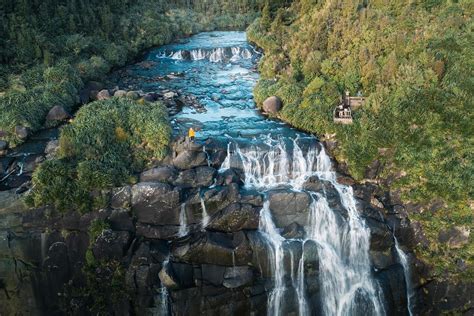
x=219 y=69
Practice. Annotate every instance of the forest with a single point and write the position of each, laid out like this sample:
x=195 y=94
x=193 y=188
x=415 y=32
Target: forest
x=50 y=49
x=413 y=61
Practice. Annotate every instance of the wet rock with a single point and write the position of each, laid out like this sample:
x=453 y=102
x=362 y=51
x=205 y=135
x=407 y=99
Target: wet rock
x=165 y=174
x=456 y=237
x=235 y=277
x=253 y=197
x=214 y=248
x=3 y=145
x=293 y=231
x=111 y=245
x=150 y=97
x=156 y=203
x=197 y=177
x=52 y=148
x=393 y=284
x=57 y=113
x=120 y=93
x=382 y=259
x=170 y=95
x=216 y=199
x=288 y=207
x=272 y=105
x=190 y=159
x=213 y=274
x=121 y=197
x=381 y=238
x=133 y=95
x=231 y=176
x=103 y=95
x=22 y=132
x=235 y=217
x=120 y=219
x=160 y=232
x=167 y=277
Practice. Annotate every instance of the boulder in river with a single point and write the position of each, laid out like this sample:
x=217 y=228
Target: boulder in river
x=103 y=95
x=272 y=105
x=120 y=93
x=133 y=95
x=57 y=113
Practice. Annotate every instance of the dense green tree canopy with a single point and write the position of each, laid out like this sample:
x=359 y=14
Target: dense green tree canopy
x=414 y=62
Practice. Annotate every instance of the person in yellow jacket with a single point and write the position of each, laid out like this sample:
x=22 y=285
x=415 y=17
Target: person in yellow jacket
x=191 y=134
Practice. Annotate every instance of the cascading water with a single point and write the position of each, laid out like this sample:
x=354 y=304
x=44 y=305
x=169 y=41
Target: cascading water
x=345 y=277
x=205 y=216
x=215 y=55
x=406 y=271
x=275 y=244
x=330 y=267
x=183 y=223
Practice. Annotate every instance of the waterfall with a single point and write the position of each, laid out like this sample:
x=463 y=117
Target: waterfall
x=215 y=55
x=406 y=271
x=275 y=242
x=183 y=224
x=164 y=307
x=347 y=285
x=205 y=216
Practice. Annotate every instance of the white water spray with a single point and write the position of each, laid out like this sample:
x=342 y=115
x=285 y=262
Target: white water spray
x=406 y=271
x=183 y=223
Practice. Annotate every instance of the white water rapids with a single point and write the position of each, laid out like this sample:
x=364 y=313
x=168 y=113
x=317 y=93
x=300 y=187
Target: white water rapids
x=215 y=55
x=347 y=286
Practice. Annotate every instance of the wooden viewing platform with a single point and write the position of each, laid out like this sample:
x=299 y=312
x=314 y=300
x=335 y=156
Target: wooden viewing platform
x=343 y=112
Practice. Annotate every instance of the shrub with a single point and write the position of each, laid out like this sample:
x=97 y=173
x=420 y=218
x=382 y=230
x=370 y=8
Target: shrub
x=105 y=145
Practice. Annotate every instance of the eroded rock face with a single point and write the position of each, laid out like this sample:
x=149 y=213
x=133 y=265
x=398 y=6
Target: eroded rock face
x=236 y=217
x=156 y=203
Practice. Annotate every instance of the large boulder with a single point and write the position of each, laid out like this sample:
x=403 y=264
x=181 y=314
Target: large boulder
x=103 y=95
x=196 y=177
x=189 y=159
x=272 y=105
x=235 y=277
x=120 y=219
x=120 y=93
x=235 y=217
x=158 y=232
x=289 y=206
x=57 y=113
x=111 y=245
x=214 y=248
x=121 y=197
x=164 y=174
x=156 y=203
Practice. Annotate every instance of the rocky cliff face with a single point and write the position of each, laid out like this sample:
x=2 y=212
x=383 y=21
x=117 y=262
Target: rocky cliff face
x=184 y=239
